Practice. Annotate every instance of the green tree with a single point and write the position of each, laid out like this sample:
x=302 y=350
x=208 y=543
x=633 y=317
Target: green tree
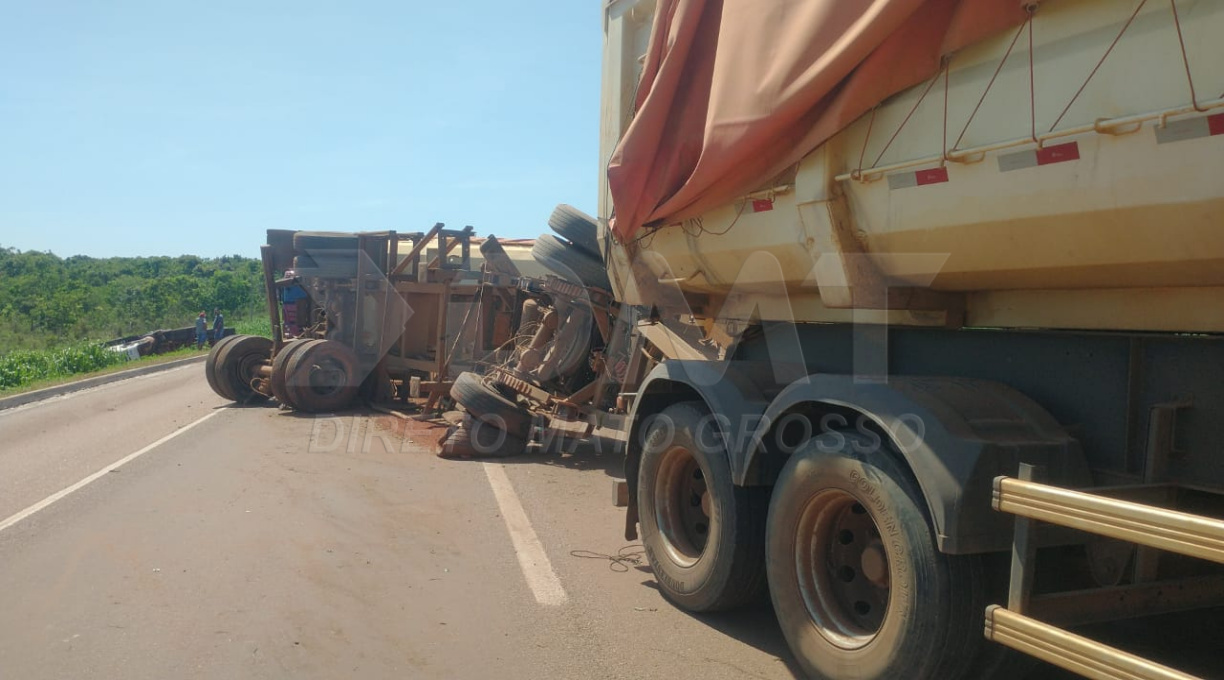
x=46 y=301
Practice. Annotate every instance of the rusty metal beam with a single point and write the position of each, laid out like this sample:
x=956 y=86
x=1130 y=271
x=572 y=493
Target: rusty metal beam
x=416 y=249
x=583 y=395
x=519 y=385
x=465 y=233
x=1130 y=601
x=278 y=337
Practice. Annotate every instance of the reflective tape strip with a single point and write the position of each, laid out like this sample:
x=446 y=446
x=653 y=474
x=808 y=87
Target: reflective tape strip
x=1190 y=128
x=905 y=180
x=1059 y=153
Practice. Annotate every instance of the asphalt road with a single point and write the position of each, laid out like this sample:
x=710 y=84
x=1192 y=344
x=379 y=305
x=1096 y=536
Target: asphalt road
x=242 y=547
x=217 y=541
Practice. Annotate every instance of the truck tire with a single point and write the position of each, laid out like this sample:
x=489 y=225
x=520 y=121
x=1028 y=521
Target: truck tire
x=481 y=438
x=280 y=369
x=702 y=535
x=570 y=263
x=850 y=603
x=484 y=402
x=237 y=364
x=210 y=369
x=577 y=227
x=321 y=376
x=570 y=349
x=307 y=242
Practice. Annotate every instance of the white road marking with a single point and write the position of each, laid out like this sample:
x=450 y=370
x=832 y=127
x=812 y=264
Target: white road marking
x=532 y=559
x=60 y=495
x=90 y=390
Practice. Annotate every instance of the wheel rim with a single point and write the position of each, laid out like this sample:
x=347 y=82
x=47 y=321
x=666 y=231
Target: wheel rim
x=843 y=569
x=682 y=506
x=248 y=368
x=326 y=377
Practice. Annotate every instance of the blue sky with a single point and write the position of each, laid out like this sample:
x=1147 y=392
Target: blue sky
x=166 y=127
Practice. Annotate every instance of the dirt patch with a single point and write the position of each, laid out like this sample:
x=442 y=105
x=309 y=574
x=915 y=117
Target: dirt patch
x=425 y=433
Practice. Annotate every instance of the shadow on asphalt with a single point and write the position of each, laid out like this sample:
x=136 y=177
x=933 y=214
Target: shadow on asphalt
x=593 y=453
x=757 y=626
x=251 y=404
x=355 y=410
x=754 y=625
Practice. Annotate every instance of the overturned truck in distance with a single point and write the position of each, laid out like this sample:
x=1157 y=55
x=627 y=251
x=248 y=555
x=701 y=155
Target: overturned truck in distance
x=524 y=335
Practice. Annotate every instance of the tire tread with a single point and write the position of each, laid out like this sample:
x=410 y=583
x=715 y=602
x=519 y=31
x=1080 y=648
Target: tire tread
x=745 y=580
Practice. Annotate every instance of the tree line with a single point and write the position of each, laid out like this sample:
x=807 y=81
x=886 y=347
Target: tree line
x=47 y=301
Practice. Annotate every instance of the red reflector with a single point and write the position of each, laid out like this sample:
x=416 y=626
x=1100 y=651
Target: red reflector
x=1216 y=124
x=932 y=176
x=1058 y=153
x=761 y=205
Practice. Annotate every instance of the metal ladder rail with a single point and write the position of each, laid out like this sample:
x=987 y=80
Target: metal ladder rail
x=1145 y=525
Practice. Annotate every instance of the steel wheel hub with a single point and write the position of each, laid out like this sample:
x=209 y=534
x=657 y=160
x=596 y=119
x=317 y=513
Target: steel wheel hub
x=843 y=568
x=325 y=378
x=682 y=506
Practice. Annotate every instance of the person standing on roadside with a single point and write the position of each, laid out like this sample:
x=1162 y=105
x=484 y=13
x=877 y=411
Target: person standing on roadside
x=218 y=324
x=201 y=331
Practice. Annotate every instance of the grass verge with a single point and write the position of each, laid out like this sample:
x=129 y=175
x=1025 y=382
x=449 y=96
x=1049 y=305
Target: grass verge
x=114 y=368
x=254 y=326
x=28 y=370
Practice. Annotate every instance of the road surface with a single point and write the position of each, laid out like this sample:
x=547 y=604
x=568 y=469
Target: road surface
x=243 y=548
x=154 y=531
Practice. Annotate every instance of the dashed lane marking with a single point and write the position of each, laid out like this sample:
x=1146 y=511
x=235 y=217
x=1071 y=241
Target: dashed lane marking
x=60 y=495
x=532 y=559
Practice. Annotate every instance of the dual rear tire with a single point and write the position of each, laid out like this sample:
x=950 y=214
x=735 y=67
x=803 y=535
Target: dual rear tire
x=315 y=376
x=307 y=375
x=846 y=546
x=232 y=367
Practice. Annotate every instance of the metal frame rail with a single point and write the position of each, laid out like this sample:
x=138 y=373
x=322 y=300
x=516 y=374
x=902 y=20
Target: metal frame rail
x=1017 y=625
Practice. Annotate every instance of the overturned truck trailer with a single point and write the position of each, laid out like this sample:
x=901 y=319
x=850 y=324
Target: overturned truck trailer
x=573 y=355
x=522 y=334
x=955 y=274
x=366 y=313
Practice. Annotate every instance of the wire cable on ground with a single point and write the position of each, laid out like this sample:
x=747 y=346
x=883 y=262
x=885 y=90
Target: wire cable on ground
x=630 y=555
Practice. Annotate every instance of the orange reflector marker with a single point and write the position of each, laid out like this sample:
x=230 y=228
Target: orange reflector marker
x=905 y=180
x=1059 y=153
x=1190 y=128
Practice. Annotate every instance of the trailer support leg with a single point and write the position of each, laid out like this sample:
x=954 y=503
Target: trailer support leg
x=1024 y=552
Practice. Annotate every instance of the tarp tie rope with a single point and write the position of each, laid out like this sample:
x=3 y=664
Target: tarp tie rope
x=1106 y=55
x=989 y=85
x=943 y=145
x=907 y=119
x=857 y=174
x=1185 y=59
x=1032 y=9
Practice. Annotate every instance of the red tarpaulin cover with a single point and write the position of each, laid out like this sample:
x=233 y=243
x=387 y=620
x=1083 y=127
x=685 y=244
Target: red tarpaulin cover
x=735 y=91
